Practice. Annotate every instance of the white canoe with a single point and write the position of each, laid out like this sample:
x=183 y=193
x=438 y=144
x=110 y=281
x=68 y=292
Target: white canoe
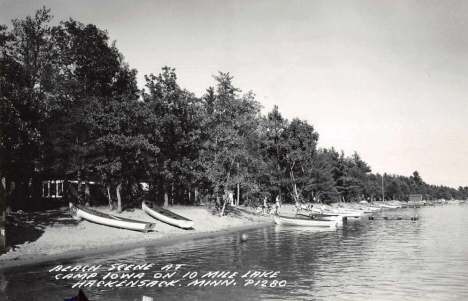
x=294 y=221
x=166 y=216
x=79 y=212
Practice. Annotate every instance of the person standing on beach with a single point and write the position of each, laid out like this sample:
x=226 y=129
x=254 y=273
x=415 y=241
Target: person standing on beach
x=265 y=206
x=278 y=205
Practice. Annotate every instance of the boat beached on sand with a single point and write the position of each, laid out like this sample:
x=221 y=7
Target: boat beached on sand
x=166 y=216
x=80 y=212
x=295 y=221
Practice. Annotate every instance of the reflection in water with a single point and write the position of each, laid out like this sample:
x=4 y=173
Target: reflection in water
x=3 y=283
x=364 y=260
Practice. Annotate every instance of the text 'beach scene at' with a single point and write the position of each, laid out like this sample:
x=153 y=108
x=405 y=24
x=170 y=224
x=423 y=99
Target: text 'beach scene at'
x=233 y=150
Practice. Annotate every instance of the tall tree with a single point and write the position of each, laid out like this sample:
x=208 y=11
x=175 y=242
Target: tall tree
x=27 y=62
x=357 y=177
x=90 y=69
x=123 y=151
x=231 y=123
x=179 y=115
x=298 y=150
x=275 y=126
x=321 y=182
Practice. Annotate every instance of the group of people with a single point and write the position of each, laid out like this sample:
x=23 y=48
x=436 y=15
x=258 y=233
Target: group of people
x=274 y=209
x=301 y=206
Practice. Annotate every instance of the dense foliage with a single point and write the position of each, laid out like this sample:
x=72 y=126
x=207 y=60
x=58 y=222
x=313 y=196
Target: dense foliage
x=70 y=105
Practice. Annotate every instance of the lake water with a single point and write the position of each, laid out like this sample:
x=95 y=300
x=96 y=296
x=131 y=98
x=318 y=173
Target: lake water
x=377 y=259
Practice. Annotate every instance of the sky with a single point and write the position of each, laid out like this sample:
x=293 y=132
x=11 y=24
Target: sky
x=386 y=79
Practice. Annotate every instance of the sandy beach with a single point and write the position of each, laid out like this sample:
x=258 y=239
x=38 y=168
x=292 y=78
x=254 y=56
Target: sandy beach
x=52 y=235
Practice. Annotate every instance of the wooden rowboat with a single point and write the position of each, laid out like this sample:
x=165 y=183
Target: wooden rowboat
x=166 y=216
x=79 y=212
x=323 y=217
x=294 y=221
x=343 y=213
x=329 y=217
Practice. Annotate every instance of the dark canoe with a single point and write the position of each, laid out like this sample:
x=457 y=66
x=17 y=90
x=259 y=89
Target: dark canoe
x=166 y=216
x=80 y=212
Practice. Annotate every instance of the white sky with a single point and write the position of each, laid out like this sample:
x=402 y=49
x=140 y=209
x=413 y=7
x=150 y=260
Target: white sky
x=387 y=79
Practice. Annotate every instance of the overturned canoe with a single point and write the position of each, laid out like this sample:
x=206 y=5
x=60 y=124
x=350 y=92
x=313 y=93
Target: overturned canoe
x=294 y=221
x=166 y=216
x=80 y=212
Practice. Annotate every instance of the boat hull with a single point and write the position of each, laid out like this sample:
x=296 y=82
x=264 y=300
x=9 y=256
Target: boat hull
x=166 y=216
x=292 y=221
x=331 y=217
x=342 y=213
x=324 y=217
x=80 y=212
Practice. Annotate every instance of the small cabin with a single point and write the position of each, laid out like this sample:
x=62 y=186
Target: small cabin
x=415 y=198
x=52 y=189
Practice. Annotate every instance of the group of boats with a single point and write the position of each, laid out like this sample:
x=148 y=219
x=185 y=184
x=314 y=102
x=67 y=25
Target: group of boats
x=325 y=216
x=153 y=210
x=333 y=216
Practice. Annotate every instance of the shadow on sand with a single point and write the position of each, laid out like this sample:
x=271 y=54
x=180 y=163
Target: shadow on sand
x=22 y=227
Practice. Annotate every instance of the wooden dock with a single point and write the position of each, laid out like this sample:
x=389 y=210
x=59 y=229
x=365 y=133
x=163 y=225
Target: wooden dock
x=385 y=218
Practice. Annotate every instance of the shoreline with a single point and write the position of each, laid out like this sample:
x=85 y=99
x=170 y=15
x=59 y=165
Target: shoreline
x=54 y=235
x=37 y=259
x=63 y=238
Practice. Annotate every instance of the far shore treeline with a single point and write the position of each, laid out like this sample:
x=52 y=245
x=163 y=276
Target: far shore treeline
x=71 y=109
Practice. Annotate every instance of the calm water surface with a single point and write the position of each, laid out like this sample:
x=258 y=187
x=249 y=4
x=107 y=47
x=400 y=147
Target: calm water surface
x=365 y=260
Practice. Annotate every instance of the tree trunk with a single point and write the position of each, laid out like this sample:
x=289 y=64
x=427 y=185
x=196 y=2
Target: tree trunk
x=8 y=184
x=225 y=199
x=224 y=205
x=166 y=200
x=2 y=232
x=172 y=194
x=109 y=196
x=296 y=195
x=3 y=195
x=3 y=214
x=80 y=187
x=119 y=200
x=86 y=191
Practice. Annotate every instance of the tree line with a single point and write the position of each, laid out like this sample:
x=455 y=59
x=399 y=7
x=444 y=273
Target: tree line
x=70 y=104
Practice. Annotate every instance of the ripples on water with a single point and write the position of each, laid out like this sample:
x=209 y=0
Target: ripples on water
x=365 y=260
